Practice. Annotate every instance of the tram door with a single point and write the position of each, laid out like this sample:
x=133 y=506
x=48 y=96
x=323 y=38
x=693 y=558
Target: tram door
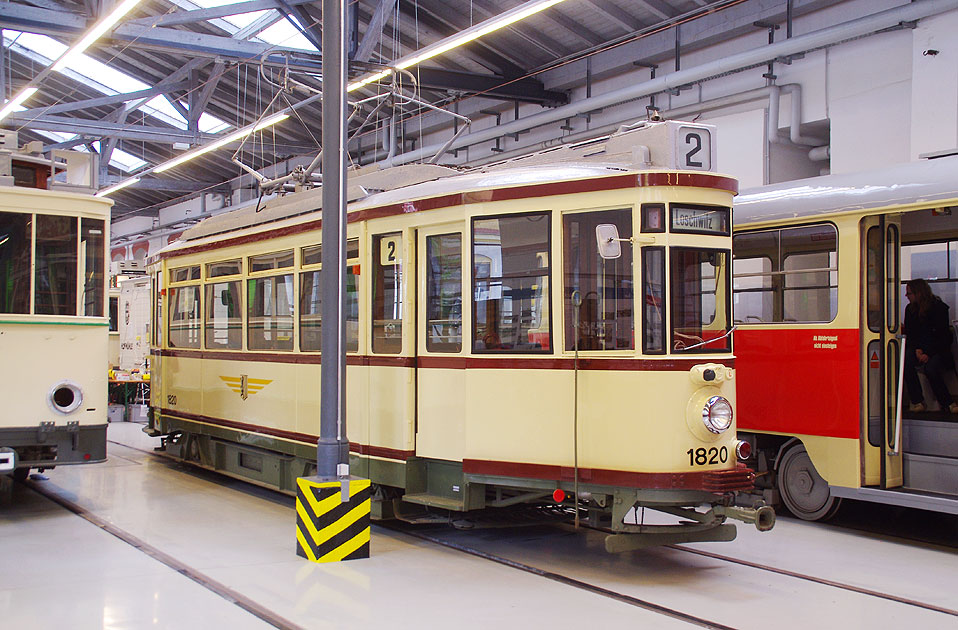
x=880 y=325
x=441 y=385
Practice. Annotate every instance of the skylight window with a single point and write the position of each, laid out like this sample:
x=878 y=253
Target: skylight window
x=108 y=80
x=120 y=159
x=281 y=33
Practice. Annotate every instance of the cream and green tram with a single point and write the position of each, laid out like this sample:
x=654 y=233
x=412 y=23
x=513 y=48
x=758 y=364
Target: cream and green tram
x=495 y=355
x=819 y=272
x=53 y=325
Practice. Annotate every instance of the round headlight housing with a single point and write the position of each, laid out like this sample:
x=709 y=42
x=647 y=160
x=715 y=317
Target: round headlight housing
x=65 y=397
x=717 y=414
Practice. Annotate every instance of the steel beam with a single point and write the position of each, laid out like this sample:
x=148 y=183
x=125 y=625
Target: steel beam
x=201 y=15
x=525 y=90
x=105 y=100
x=374 y=30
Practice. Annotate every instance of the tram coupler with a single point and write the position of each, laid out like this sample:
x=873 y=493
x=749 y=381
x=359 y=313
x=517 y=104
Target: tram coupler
x=763 y=517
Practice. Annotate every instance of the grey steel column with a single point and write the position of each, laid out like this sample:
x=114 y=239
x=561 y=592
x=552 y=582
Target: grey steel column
x=333 y=447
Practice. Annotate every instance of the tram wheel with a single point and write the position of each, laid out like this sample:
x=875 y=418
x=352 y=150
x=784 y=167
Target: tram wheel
x=804 y=492
x=21 y=474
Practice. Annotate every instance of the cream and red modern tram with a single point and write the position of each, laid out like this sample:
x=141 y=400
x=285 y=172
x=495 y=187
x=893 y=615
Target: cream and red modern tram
x=53 y=320
x=819 y=270
x=479 y=310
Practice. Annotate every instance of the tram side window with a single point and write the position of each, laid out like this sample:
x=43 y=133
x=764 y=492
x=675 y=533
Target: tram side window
x=786 y=275
x=387 y=290
x=604 y=285
x=91 y=244
x=56 y=265
x=270 y=312
x=16 y=236
x=444 y=293
x=114 y=314
x=224 y=320
x=653 y=303
x=938 y=264
x=184 y=319
x=698 y=299
x=311 y=300
x=511 y=269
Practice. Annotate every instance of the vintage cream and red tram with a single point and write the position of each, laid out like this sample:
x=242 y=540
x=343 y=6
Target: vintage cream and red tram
x=53 y=321
x=819 y=267
x=464 y=294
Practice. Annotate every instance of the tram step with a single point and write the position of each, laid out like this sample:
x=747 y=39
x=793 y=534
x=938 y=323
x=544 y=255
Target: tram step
x=931 y=474
x=434 y=500
x=936 y=439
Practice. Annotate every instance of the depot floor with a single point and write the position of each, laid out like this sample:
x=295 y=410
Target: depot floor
x=173 y=547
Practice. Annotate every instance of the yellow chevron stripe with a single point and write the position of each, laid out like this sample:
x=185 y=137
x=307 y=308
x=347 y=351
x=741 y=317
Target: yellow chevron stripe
x=259 y=381
x=301 y=540
x=232 y=379
x=346 y=548
x=348 y=519
x=307 y=519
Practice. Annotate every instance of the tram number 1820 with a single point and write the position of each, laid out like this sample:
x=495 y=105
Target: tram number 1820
x=703 y=456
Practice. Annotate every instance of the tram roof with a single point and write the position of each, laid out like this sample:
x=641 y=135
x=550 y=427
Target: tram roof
x=424 y=183
x=927 y=182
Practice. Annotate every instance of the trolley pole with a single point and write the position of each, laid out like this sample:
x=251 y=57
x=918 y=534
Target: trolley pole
x=333 y=447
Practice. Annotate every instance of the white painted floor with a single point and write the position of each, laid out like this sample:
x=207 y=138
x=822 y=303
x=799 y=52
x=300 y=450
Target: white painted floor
x=59 y=570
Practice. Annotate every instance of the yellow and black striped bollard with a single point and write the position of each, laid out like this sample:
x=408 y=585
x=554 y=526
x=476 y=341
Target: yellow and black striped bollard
x=329 y=526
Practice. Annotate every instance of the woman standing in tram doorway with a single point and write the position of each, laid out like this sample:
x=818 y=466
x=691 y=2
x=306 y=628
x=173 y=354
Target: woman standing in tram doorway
x=927 y=345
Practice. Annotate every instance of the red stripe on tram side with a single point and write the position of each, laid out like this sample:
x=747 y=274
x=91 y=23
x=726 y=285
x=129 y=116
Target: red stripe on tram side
x=354 y=447
x=500 y=362
x=712 y=481
x=595 y=184
x=798 y=381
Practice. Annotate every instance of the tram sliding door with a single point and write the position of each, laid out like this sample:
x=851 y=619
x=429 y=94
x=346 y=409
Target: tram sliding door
x=880 y=326
x=441 y=387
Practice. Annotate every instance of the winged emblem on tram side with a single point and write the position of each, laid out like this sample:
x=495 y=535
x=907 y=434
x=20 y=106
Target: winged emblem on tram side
x=244 y=385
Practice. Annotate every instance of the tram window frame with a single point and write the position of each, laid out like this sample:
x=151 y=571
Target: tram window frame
x=943 y=280
x=53 y=262
x=114 y=313
x=387 y=333
x=279 y=344
x=713 y=345
x=892 y=274
x=261 y=263
x=311 y=300
x=19 y=262
x=443 y=272
x=213 y=323
x=194 y=323
x=653 y=337
x=184 y=274
x=93 y=245
x=653 y=218
x=222 y=269
x=545 y=292
x=600 y=282
x=777 y=288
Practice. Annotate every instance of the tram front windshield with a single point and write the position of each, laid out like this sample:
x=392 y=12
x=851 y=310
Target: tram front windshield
x=699 y=299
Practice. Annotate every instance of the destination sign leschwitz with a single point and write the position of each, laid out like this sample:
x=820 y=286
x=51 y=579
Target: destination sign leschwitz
x=701 y=220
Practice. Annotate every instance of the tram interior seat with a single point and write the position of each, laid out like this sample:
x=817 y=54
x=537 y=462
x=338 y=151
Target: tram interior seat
x=951 y=377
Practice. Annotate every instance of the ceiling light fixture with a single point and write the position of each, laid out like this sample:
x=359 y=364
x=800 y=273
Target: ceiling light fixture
x=17 y=100
x=71 y=53
x=464 y=37
x=94 y=33
x=116 y=187
x=239 y=134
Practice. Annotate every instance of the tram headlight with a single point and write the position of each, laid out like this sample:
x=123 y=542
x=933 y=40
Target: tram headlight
x=717 y=414
x=65 y=397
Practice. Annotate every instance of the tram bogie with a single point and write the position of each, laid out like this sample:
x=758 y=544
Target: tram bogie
x=494 y=358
